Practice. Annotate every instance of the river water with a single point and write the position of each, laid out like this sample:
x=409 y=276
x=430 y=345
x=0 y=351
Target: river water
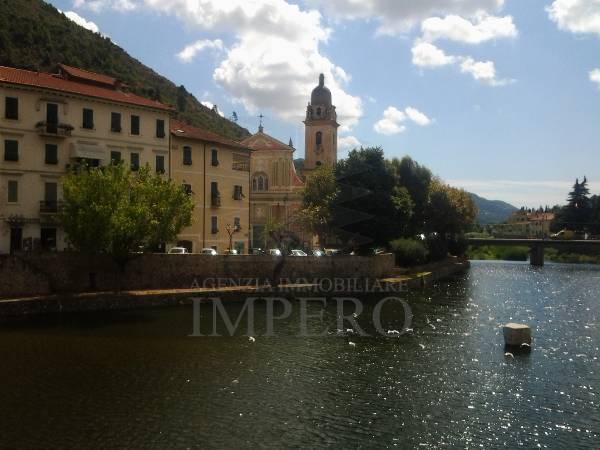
x=136 y=379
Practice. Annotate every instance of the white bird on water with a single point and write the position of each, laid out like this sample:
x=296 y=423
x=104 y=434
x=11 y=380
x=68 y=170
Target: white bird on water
x=509 y=355
x=349 y=330
x=252 y=339
x=352 y=344
x=422 y=346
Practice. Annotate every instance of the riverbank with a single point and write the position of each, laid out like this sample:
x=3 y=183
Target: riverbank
x=401 y=279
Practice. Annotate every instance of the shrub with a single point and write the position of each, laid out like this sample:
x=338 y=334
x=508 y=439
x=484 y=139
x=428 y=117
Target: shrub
x=409 y=252
x=437 y=248
x=458 y=246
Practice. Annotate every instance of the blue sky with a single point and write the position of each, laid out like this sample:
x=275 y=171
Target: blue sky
x=499 y=97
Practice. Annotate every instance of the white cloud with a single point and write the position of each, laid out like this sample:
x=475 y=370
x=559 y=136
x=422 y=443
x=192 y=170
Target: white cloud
x=88 y=25
x=484 y=71
x=189 y=52
x=425 y=54
x=459 y=29
x=393 y=120
x=417 y=116
x=211 y=105
x=576 y=16
x=595 y=76
x=399 y=16
x=275 y=60
x=98 y=5
x=347 y=143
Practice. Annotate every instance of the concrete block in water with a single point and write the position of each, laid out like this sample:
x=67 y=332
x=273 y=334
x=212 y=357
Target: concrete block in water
x=516 y=334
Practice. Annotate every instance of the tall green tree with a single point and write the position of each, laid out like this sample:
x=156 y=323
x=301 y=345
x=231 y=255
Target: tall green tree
x=450 y=211
x=366 y=212
x=113 y=211
x=318 y=196
x=415 y=178
x=575 y=215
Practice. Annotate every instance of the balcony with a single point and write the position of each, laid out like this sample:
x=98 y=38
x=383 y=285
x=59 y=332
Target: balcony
x=49 y=206
x=215 y=200
x=53 y=129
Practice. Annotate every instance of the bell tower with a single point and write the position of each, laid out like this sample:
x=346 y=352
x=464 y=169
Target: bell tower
x=320 y=128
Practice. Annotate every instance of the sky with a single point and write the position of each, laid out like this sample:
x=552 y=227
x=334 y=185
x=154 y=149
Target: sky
x=501 y=97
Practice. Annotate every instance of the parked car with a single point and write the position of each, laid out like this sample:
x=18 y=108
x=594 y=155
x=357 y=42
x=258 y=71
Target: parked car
x=178 y=251
x=565 y=235
x=256 y=251
x=318 y=252
x=332 y=252
x=298 y=252
x=274 y=252
x=233 y=251
x=209 y=251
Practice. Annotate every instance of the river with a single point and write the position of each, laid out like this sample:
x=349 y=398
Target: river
x=136 y=379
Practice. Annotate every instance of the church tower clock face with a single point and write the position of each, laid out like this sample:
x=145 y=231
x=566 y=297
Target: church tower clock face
x=320 y=128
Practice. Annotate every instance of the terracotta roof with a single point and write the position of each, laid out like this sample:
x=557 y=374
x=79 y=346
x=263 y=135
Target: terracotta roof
x=184 y=130
x=262 y=141
x=57 y=83
x=86 y=75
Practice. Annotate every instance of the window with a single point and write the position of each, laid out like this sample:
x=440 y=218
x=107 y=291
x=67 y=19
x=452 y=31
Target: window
x=11 y=150
x=319 y=112
x=11 y=110
x=115 y=157
x=160 y=164
x=319 y=138
x=237 y=193
x=50 y=197
x=214 y=159
x=48 y=238
x=187 y=188
x=51 y=154
x=135 y=161
x=115 y=122
x=13 y=191
x=237 y=225
x=160 y=128
x=135 y=125
x=215 y=196
x=241 y=162
x=88 y=119
x=260 y=182
x=187 y=156
x=214 y=225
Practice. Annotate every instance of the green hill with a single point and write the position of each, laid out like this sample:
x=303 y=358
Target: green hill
x=36 y=36
x=492 y=211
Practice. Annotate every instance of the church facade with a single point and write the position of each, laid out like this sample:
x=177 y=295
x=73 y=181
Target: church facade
x=275 y=185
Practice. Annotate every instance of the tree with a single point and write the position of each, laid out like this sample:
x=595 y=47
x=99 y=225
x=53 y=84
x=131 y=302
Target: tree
x=578 y=209
x=318 y=197
x=113 y=211
x=365 y=212
x=450 y=211
x=415 y=178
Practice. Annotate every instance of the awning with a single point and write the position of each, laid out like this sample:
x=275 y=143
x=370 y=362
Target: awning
x=88 y=151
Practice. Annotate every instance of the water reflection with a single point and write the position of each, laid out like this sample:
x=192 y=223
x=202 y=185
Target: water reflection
x=136 y=380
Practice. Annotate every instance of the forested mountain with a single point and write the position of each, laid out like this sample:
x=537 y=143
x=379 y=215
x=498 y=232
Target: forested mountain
x=492 y=211
x=36 y=36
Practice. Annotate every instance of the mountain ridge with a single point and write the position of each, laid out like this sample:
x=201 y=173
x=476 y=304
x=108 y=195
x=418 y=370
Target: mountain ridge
x=34 y=35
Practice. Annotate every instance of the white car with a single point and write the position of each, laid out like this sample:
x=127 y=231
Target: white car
x=209 y=251
x=233 y=251
x=178 y=251
x=298 y=253
x=274 y=252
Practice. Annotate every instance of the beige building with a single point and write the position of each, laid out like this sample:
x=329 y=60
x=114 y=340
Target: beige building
x=49 y=122
x=216 y=172
x=275 y=184
x=526 y=224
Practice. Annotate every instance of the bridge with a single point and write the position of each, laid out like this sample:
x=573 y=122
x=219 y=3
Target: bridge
x=537 y=246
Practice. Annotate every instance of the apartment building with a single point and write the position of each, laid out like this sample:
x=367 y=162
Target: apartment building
x=49 y=122
x=216 y=172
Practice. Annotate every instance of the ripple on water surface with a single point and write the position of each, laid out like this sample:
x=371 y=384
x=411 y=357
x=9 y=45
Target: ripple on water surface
x=135 y=379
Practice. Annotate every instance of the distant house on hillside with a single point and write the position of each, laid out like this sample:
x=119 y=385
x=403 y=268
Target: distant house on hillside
x=526 y=224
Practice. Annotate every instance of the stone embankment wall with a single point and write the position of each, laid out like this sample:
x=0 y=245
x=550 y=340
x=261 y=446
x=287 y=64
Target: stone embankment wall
x=55 y=273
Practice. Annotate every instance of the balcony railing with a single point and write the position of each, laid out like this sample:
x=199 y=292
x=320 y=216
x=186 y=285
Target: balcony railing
x=54 y=129
x=49 y=206
x=215 y=200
